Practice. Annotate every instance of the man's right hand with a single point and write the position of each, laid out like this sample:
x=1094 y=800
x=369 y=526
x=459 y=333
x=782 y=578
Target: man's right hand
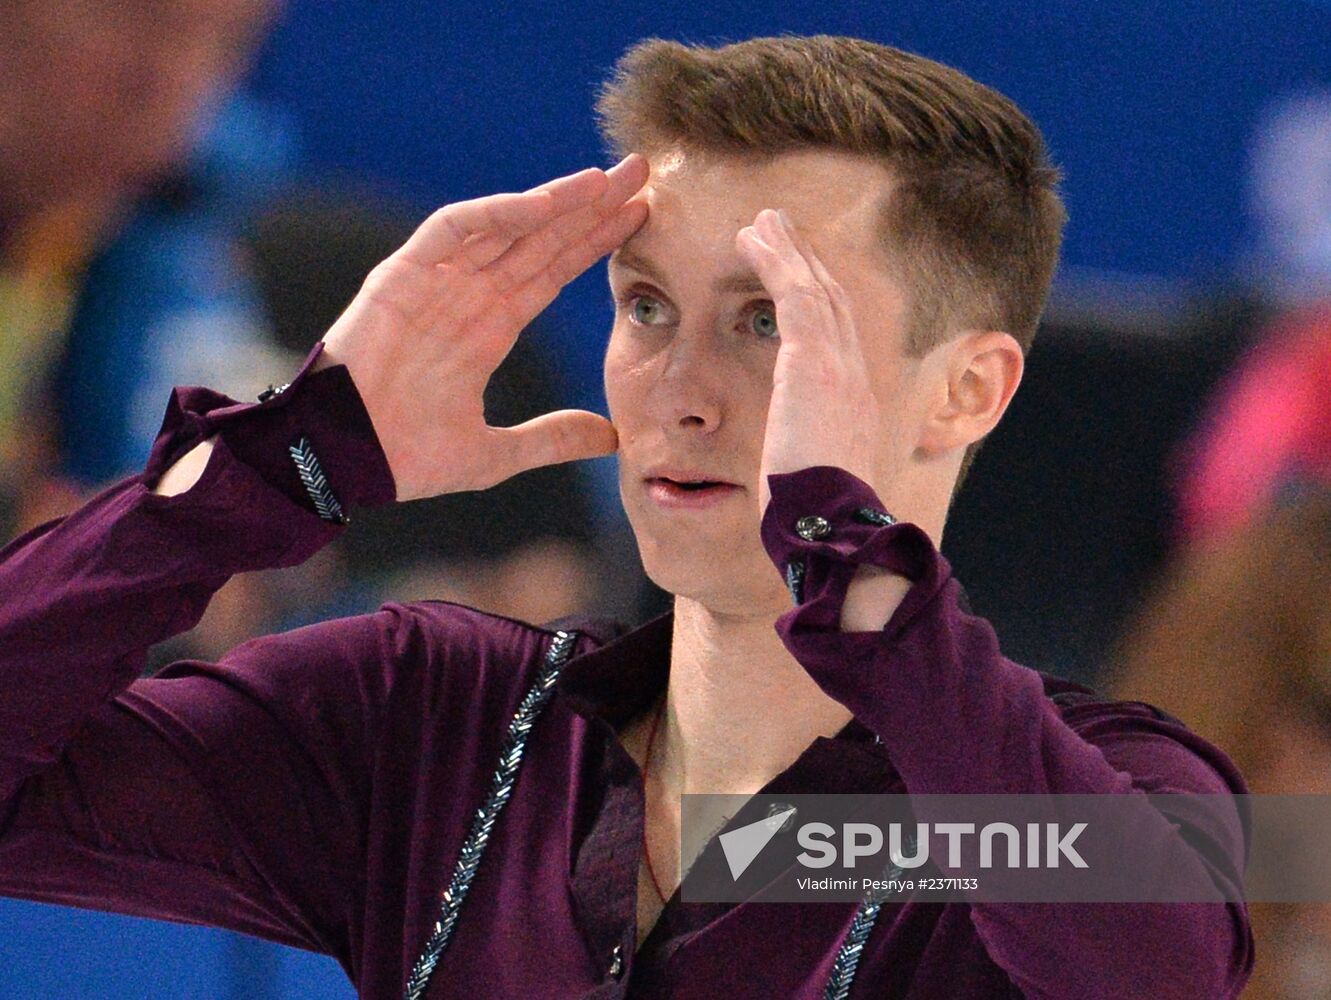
x=433 y=322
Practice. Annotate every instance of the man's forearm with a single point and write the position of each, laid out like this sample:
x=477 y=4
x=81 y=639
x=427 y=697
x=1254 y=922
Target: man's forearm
x=874 y=594
x=186 y=471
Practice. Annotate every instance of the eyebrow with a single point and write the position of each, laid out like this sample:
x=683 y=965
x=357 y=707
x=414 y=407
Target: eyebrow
x=738 y=282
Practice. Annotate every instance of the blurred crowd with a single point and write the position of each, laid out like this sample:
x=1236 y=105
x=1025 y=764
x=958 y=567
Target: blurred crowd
x=1154 y=516
x=155 y=230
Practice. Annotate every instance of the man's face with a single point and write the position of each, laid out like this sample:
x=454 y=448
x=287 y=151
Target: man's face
x=688 y=370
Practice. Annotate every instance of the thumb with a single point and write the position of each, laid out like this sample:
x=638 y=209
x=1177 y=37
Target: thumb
x=562 y=436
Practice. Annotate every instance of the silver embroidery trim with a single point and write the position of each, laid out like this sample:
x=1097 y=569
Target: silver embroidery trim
x=878 y=517
x=795 y=580
x=844 y=966
x=316 y=483
x=847 y=960
x=501 y=787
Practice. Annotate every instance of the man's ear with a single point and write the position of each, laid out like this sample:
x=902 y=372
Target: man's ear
x=982 y=372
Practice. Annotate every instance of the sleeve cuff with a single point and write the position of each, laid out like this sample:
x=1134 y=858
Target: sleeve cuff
x=822 y=524
x=317 y=414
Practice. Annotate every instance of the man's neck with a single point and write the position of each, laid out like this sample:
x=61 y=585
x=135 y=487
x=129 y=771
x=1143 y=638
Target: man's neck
x=739 y=709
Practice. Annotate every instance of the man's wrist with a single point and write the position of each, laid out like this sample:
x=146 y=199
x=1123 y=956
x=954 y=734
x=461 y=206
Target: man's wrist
x=873 y=596
x=187 y=470
x=325 y=359
x=311 y=439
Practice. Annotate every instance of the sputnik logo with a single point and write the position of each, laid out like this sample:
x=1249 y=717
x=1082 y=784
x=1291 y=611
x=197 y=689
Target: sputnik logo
x=744 y=844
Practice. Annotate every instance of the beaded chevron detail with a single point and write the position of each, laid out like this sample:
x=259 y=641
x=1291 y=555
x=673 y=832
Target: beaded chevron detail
x=848 y=958
x=878 y=517
x=795 y=580
x=316 y=483
x=501 y=787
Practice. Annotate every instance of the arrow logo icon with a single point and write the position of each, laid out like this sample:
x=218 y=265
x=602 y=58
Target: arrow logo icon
x=741 y=846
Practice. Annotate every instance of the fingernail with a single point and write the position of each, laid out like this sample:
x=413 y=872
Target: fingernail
x=785 y=220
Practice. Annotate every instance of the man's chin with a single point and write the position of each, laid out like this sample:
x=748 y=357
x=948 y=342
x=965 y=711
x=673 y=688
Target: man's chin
x=729 y=586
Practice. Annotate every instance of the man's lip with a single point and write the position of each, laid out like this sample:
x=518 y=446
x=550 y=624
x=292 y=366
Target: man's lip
x=686 y=476
x=669 y=494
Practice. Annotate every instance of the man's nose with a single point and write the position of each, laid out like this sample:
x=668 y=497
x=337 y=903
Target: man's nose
x=690 y=393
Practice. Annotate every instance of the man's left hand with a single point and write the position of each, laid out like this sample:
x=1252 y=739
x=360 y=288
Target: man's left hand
x=823 y=411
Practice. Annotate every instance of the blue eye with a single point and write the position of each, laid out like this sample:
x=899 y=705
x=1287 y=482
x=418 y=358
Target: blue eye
x=762 y=321
x=645 y=310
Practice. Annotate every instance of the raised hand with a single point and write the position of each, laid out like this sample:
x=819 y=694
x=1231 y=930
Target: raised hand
x=433 y=322
x=823 y=410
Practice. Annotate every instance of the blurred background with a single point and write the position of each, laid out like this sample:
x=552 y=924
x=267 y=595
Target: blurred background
x=191 y=191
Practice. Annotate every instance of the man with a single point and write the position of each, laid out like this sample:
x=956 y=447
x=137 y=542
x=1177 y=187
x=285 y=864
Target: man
x=824 y=290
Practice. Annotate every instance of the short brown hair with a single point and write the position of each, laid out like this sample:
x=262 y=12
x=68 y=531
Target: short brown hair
x=975 y=219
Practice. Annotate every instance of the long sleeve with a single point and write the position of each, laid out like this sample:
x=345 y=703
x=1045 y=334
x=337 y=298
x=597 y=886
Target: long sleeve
x=957 y=717
x=222 y=793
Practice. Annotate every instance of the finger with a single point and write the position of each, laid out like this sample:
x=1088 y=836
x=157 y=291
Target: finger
x=468 y=229
x=536 y=251
x=525 y=301
x=578 y=189
x=804 y=304
x=531 y=254
x=762 y=258
x=626 y=179
x=479 y=228
x=840 y=301
x=562 y=436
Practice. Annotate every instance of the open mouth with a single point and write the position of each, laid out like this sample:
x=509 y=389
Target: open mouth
x=688 y=492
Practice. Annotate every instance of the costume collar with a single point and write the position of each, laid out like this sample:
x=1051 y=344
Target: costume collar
x=617 y=680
